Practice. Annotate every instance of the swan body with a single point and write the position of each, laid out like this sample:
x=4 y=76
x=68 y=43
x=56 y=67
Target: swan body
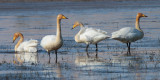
x=54 y=42
x=89 y=35
x=48 y=42
x=24 y=46
x=129 y=34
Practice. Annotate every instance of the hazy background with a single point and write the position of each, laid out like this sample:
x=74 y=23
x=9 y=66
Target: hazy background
x=1 y=1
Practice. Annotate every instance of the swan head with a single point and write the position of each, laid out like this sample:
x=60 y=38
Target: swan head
x=77 y=23
x=141 y=15
x=61 y=16
x=16 y=35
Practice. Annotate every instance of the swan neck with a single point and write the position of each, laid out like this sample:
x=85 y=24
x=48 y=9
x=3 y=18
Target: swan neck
x=59 y=36
x=19 y=42
x=137 y=23
x=81 y=25
x=77 y=37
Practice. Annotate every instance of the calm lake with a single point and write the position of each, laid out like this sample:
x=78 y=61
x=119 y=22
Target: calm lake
x=35 y=20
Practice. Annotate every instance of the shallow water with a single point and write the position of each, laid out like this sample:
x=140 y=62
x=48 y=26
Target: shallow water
x=36 y=20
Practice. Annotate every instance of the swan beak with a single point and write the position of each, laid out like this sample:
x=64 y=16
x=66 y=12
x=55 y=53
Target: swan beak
x=145 y=16
x=14 y=39
x=74 y=26
x=63 y=17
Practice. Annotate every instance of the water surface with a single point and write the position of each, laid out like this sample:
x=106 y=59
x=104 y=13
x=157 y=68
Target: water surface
x=36 y=20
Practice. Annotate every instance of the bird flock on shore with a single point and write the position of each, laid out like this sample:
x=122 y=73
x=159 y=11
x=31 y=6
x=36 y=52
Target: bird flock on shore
x=85 y=35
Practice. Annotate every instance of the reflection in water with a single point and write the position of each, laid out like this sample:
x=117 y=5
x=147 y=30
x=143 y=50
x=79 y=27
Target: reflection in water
x=128 y=62
x=58 y=71
x=89 y=62
x=117 y=63
x=26 y=58
x=144 y=62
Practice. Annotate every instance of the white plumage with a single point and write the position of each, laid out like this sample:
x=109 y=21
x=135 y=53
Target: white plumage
x=128 y=34
x=49 y=42
x=26 y=46
x=53 y=42
x=89 y=35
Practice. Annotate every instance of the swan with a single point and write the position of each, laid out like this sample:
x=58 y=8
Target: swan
x=24 y=46
x=89 y=35
x=129 y=34
x=54 y=42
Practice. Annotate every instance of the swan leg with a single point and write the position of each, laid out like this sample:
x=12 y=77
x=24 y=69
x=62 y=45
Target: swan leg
x=96 y=54
x=96 y=47
x=56 y=55
x=87 y=47
x=49 y=56
x=128 y=45
x=87 y=54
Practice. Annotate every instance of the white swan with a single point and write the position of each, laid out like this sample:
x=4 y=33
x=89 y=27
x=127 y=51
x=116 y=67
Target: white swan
x=26 y=46
x=89 y=35
x=129 y=34
x=54 y=42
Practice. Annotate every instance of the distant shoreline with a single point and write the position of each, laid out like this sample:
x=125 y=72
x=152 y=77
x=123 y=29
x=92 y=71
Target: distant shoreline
x=14 y=1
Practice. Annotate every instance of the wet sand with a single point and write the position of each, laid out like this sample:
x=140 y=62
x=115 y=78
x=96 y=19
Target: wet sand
x=35 y=20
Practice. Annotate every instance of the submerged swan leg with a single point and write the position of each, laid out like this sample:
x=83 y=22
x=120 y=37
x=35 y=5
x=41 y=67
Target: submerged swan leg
x=56 y=55
x=87 y=47
x=96 y=47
